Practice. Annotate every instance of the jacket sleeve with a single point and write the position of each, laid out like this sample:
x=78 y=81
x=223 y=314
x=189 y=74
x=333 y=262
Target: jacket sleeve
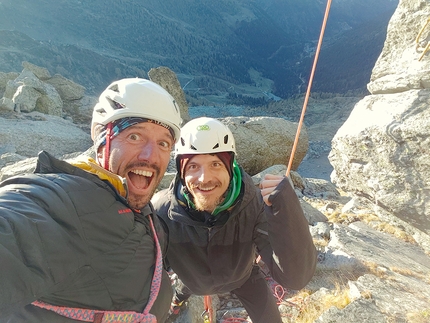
x=291 y=255
x=35 y=249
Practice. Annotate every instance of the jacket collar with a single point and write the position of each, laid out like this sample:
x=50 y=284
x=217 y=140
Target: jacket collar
x=90 y=165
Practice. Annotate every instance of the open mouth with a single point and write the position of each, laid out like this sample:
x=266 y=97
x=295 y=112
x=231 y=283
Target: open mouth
x=140 y=179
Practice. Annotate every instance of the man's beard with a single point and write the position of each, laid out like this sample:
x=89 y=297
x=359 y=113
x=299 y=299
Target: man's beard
x=138 y=201
x=203 y=204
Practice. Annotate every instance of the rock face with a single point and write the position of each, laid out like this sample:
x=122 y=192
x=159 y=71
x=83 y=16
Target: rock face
x=403 y=64
x=29 y=134
x=382 y=151
x=265 y=141
x=165 y=77
x=34 y=89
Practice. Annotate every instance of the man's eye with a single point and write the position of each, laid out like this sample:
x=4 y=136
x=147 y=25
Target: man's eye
x=133 y=136
x=165 y=144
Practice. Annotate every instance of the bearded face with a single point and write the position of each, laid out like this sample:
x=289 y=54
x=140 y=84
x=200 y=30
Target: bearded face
x=207 y=179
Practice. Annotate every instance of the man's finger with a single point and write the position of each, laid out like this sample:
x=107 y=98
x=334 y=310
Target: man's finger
x=267 y=191
x=269 y=183
x=271 y=176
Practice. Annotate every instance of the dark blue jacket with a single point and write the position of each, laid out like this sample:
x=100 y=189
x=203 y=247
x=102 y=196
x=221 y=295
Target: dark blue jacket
x=213 y=255
x=68 y=238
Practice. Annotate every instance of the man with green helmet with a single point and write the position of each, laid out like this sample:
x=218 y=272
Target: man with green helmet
x=80 y=241
x=219 y=222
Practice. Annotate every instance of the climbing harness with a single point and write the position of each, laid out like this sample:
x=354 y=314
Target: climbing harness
x=417 y=40
x=296 y=140
x=98 y=316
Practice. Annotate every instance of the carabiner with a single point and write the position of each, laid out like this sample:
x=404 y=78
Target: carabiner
x=205 y=316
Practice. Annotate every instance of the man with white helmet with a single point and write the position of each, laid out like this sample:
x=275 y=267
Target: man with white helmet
x=79 y=241
x=219 y=222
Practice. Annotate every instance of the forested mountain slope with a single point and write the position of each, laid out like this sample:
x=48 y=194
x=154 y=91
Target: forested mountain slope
x=216 y=42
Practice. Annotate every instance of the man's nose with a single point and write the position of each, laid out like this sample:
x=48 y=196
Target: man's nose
x=203 y=175
x=147 y=152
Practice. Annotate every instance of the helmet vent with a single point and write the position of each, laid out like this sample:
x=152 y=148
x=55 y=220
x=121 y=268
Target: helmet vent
x=225 y=139
x=116 y=105
x=216 y=146
x=176 y=106
x=193 y=148
x=101 y=111
x=119 y=105
x=114 y=87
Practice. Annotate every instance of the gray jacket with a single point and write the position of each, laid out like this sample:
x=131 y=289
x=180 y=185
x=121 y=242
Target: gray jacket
x=68 y=238
x=216 y=254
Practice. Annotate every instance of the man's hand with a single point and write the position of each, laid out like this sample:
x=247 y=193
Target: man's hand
x=268 y=184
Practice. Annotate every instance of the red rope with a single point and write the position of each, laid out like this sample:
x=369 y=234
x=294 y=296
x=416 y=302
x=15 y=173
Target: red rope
x=107 y=148
x=296 y=140
x=208 y=307
x=279 y=293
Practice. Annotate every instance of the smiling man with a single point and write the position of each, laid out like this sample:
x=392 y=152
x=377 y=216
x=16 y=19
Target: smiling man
x=207 y=194
x=219 y=221
x=79 y=241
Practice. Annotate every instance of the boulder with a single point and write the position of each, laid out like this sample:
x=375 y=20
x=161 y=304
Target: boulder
x=169 y=81
x=28 y=93
x=4 y=78
x=262 y=142
x=6 y=104
x=68 y=90
x=28 y=135
x=25 y=98
x=40 y=72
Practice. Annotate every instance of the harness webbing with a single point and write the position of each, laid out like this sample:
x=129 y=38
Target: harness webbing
x=98 y=316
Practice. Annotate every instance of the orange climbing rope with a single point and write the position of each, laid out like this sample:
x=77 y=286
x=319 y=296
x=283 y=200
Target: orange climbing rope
x=296 y=140
x=417 y=40
x=208 y=313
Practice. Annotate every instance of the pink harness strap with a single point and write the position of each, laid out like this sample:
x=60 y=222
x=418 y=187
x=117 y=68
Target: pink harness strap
x=87 y=315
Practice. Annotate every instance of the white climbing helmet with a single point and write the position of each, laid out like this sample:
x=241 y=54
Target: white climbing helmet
x=205 y=136
x=137 y=97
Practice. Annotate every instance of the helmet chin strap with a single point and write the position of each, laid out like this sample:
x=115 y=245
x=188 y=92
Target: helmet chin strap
x=107 y=148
